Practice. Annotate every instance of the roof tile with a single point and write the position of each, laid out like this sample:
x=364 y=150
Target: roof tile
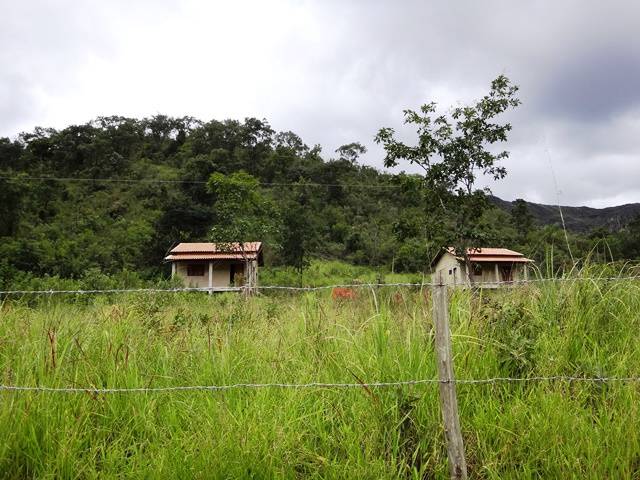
x=213 y=251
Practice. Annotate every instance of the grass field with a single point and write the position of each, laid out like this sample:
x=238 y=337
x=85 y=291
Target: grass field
x=527 y=430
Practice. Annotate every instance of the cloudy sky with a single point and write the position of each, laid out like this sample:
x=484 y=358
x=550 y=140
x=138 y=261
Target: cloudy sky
x=336 y=71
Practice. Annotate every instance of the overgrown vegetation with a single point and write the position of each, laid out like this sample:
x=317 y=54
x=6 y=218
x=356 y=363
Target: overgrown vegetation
x=146 y=184
x=454 y=150
x=524 y=430
x=317 y=273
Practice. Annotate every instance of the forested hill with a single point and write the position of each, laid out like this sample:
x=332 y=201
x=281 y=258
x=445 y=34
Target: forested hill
x=579 y=219
x=149 y=191
x=116 y=193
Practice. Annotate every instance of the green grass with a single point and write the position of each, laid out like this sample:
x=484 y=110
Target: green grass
x=529 y=430
x=332 y=272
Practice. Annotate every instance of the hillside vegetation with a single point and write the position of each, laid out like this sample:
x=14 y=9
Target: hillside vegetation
x=535 y=429
x=128 y=189
x=579 y=219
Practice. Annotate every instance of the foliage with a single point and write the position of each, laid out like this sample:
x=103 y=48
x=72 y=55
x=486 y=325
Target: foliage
x=521 y=218
x=451 y=150
x=335 y=272
x=581 y=328
x=145 y=186
x=141 y=186
x=242 y=213
x=301 y=232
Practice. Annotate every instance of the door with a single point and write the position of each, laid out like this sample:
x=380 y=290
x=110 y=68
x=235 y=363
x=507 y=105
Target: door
x=506 y=273
x=236 y=274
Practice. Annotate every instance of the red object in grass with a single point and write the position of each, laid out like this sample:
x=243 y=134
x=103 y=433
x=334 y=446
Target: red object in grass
x=343 y=293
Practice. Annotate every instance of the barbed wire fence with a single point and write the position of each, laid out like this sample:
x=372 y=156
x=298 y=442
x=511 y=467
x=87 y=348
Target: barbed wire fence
x=318 y=385
x=446 y=380
x=316 y=288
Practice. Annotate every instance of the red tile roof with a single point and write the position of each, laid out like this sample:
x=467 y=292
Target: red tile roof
x=487 y=254
x=489 y=251
x=503 y=258
x=213 y=251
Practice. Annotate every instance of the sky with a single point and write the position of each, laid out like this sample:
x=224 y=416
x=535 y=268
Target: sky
x=335 y=72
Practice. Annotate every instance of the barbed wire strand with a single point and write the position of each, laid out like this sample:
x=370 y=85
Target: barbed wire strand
x=317 y=385
x=514 y=283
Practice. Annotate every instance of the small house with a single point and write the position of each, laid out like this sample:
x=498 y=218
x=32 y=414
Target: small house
x=489 y=266
x=214 y=266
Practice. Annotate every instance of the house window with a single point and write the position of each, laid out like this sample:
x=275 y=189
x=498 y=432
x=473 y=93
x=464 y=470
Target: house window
x=450 y=271
x=195 y=270
x=477 y=269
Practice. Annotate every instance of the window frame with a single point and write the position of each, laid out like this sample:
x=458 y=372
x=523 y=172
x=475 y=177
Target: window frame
x=192 y=268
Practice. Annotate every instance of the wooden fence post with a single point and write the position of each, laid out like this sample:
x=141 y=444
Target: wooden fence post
x=447 y=386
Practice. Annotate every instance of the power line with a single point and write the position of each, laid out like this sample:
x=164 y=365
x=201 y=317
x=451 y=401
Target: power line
x=188 y=182
x=316 y=385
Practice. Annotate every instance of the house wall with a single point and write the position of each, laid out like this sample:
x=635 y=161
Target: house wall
x=488 y=273
x=453 y=272
x=221 y=272
x=491 y=272
x=518 y=272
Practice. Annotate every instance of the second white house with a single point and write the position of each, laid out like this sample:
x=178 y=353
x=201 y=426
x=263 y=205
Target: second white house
x=489 y=266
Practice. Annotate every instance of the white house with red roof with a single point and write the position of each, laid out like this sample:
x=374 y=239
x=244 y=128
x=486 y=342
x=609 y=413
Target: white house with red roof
x=216 y=266
x=490 y=266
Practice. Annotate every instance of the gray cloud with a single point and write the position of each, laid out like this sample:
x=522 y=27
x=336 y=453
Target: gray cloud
x=335 y=72
x=594 y=86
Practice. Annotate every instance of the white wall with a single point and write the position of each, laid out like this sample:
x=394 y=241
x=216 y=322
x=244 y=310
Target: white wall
x=221 y=272
x=453 y=272
x=488 y=273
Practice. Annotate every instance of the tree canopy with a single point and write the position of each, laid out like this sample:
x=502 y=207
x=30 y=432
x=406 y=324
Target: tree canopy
x=116 y=193
x=452 y=150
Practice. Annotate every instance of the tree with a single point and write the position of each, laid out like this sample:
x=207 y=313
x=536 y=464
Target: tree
x=242 y=213
x=351 y=152
x=452 y=150
x=300 y=230
x=11 y=195
x=521 y=218
x=629 y=240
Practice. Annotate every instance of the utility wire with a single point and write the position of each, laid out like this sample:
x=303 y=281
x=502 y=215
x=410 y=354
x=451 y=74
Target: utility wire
x=189 y=182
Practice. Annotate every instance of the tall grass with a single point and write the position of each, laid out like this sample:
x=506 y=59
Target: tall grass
x=525 y=430
x=332 y=272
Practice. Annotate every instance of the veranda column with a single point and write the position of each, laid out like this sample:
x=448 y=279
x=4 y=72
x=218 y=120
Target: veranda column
x=497 y=274
x=250 y=276
x=173 y=269
x=210 y=278
x=254 y=273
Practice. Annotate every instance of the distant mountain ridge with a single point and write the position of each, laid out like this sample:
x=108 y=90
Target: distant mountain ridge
x=578 y=219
